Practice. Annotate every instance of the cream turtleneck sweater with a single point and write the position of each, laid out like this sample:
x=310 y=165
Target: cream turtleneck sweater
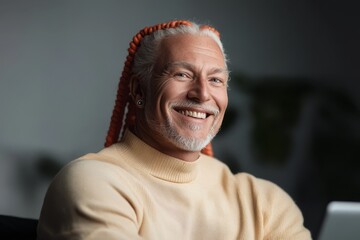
x=132 y=191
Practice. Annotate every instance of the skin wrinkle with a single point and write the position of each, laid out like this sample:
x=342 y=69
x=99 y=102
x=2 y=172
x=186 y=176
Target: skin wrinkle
x=191 y=67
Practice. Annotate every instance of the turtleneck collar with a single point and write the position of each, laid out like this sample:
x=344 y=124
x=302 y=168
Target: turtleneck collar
x=147 y=159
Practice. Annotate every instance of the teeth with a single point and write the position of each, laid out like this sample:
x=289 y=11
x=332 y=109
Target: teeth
x=193 y=114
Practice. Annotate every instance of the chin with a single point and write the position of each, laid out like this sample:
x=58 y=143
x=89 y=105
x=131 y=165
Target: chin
x=188 y=143
x=191 y=144
x=187 y=137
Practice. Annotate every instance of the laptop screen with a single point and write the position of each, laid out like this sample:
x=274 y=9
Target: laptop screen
x=342 y=221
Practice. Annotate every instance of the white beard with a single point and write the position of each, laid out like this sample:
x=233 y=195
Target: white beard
x=183 y=142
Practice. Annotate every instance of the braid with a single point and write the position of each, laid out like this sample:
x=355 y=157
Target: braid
x=123 y=99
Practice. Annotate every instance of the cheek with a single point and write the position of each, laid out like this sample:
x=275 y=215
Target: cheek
x=169 y=90
x=158 y=99
x=159 y=86
x=222 y=100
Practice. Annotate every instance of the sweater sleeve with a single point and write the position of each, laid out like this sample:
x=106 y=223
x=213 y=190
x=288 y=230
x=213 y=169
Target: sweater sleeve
x=282 y=219
x=89 y=199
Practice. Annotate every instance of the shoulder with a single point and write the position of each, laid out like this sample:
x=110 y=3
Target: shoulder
x=259 y=186
x=87 y=169
x=91 y=175
x=265 y=194
x=280 y=216
x=81 y=179
x=103 y=166
x=256 y=188
x=84 y=182
x=86 y=195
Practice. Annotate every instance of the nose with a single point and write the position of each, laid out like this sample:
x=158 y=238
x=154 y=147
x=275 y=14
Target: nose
x=199 y=91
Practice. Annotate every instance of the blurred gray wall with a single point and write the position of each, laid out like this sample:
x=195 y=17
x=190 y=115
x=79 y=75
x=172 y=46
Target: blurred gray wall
x=60 y=62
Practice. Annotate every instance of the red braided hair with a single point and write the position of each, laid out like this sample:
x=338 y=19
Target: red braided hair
x=123 y=98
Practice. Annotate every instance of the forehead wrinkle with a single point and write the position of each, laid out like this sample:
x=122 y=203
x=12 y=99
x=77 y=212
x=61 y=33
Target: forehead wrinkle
x=179 y=64
x=219 y=70
x=213 y=70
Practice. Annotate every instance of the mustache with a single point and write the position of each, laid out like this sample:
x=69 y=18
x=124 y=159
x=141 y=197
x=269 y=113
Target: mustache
x=190 y=104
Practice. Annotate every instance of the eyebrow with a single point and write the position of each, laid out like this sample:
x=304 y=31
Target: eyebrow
x=192 y=67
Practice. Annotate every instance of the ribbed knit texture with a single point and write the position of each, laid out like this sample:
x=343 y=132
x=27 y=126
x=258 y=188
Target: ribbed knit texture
x=132 y=191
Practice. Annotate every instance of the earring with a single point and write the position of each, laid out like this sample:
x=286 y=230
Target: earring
x=140 y=102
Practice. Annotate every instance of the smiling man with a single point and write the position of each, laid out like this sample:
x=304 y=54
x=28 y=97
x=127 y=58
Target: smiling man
x=156 y=178
x=186 y=98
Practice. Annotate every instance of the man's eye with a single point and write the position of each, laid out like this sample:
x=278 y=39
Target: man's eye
x=181 y=75
x=216 y=81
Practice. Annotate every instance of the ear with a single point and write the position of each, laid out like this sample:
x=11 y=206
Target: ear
x=136 y=90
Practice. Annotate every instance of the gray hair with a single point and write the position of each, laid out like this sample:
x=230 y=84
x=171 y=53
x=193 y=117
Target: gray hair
x=147 y=53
